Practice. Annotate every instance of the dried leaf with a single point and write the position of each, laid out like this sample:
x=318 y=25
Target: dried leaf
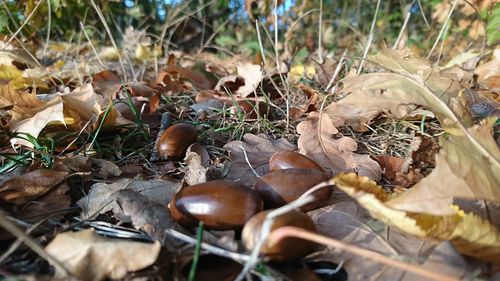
x=53 y=111
x=469 y=233
x=23 y=189
x=145 y=214
x=468 y=164
x=462 y=170
x=390 y=165
x=252 y=74
x=403 y=62
x=106 y=168
x=54 y=200
x=22 y=104
x=317 y=141
x=107 y=258
x=84 y=102
x=259 y=150
x=101 y=198
x=197 y=160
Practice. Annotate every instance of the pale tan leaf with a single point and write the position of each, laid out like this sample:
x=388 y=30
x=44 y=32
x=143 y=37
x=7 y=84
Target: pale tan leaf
x=107 y=258
x=252 y=74
x=84 y=101
x=52 y=112
x=403 y=62
x=197 y=164
x=318 y=141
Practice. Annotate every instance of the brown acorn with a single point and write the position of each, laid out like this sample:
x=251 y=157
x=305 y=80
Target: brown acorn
x=220 y=204
x=287 y=249
x=175 y=140
x=286 y=159
x=280 y=187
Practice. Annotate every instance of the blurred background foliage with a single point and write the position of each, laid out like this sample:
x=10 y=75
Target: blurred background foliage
x=187 y=25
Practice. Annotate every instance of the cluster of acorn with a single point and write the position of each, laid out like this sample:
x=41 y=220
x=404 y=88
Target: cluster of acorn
x=228 y=205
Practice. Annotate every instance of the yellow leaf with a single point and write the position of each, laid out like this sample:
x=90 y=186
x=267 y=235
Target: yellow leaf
x=299 y=71
x=10 y=72
x=142 y=52
x=469 y=233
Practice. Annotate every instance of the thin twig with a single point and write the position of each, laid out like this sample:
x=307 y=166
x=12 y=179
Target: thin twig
x=241 y=258
x=248 y=161
x=91 y=45
x=370 y=39
x=49 y=22
x=290 y=231
x=403 y=27
x=320 y=35
x=336 y=72
x=22 y=26
x=442 y=28
x=105 y=24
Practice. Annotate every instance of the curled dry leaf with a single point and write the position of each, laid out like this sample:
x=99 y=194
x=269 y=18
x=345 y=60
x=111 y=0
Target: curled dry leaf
x=197 y=160
x=318 y=141
x=23 y=189
x=469 y=233
x=252 y=74
x=50 y=112
x=259 y=150
x=144 y=213
x=84 y=102
x=108 y=258
x=101 y=198
x=468 y=164
x=463 y=170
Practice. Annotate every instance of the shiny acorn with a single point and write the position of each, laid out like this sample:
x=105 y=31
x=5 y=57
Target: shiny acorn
x=175 y=140
x=287 y=249
x=286 y=159
x=280 y=187
x=220 y=205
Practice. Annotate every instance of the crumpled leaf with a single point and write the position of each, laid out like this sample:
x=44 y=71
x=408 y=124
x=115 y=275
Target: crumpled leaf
x=83 y=102
x=462 y=170
x=91 y=257
x=345 y=220
x=259 y=150
x=145 y=214
x=53 y=111
x=29 y=114
x=252 y=74
x=469 y=161
x=197 y=160
x=22 y=189
x=101 y=198
x=317 y=141
x=469 y=233
x=22 y=104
